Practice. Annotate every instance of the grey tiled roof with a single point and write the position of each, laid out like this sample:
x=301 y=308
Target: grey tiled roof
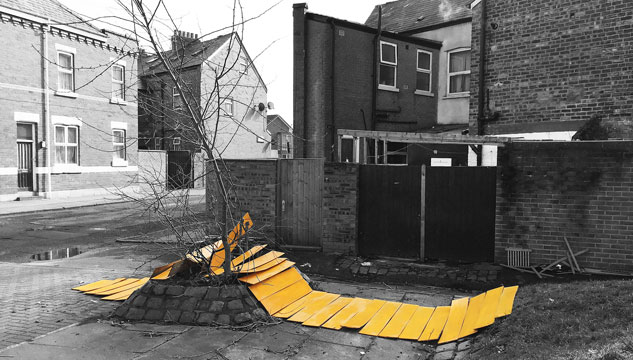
x=407 y=15
x=58 y=13
x=194 y=54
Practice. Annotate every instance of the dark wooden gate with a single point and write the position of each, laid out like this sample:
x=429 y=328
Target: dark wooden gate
x=390 y=211
x=459 y=213
x=299 y=202
x=179 y=170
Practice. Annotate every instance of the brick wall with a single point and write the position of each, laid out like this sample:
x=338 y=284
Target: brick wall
x=581 y=190
x=551 y=65
x=21 y=87
x=340 y=208
x=253 y=188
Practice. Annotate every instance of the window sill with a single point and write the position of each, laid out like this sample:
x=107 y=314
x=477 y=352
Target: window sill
x=66 y=169
x=457 y=96
x=68 y=94
x=118 y=101
x=424 y=93
x=119 y=163
x=388 y=88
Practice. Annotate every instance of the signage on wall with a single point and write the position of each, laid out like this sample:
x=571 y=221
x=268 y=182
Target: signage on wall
x=441 y=162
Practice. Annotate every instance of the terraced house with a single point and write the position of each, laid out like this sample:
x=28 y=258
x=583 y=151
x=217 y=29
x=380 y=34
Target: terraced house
x=67 y=103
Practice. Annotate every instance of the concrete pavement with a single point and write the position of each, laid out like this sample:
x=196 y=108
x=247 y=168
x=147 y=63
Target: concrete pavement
x=42 y=318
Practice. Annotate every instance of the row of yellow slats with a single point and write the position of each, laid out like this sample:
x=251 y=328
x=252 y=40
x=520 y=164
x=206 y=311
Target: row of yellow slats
x=115 y=290
x=288 y=295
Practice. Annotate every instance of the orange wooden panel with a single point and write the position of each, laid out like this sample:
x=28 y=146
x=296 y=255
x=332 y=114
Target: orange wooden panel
x=162 y=276
x=296 y=306
x=122 y=288
x=198 y=255
x=436 y=324
x=489 y=309
x=314 y=306
x=96 y=285
x=276 y=283
x=399 y=321
x=472 y=315
x=161 y=269
x=321 y=316
x=118 y=284
x=257 y=277
x=417 y=323
x=258 y=264
x=252 y=251
x=455 y=320
x=507 y=300
x=382 y=317
x=126 y=293
x=363 y=316
x=286 y=296
x=349 y=311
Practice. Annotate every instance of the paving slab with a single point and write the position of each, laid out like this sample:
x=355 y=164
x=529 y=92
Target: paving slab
x=382 y=349
x=240 y=352
x=342 y=337
x=273 y=340
x=314 y=349
x=197 y=342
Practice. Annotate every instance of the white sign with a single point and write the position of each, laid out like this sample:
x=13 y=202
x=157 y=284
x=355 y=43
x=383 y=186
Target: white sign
x=441 y=162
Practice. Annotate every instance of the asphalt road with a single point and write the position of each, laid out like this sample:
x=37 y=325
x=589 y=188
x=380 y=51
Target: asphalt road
x=87 y=228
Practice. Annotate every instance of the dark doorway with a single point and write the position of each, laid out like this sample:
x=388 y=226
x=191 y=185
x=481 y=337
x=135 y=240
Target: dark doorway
x=460 y=213
x=179 y=170
x=390 y=211
x=26 y=136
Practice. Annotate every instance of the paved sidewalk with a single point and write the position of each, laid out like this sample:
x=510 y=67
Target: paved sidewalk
x=105 y=339
x=41 y=204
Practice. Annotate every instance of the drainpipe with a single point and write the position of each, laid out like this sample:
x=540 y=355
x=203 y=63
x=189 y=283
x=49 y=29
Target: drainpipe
x=375 y=74
x=333 y=132
x=46 y=119
x=481 y=116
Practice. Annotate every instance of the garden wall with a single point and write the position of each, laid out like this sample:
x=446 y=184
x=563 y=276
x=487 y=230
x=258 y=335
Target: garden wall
x=581 y=190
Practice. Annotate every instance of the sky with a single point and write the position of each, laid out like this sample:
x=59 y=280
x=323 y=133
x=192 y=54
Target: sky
x=268 y=38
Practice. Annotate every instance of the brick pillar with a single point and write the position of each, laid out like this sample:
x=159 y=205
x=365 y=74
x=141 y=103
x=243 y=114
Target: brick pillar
x=299 y=25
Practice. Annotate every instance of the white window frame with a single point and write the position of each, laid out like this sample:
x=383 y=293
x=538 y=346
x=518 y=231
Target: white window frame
x=174 y=93
x=449 y=74
x=393 y=87
x=119 y=83
x=228 y=106
x=176 y=141
x=244 y=67
x=62 y=70
x=425 y=71
x=116 y=160
x=66 y=144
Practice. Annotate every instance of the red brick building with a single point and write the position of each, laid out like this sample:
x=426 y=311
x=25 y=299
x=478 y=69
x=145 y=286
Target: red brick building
x=347 y=76
x=67 y=103
x=550 y=66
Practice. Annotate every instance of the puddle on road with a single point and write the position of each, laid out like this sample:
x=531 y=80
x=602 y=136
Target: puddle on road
x=57 y=254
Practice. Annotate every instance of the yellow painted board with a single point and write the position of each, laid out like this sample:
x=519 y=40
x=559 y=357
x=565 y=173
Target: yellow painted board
x=161 y=269
x=489 y=309
x=122 y=288
x=399 y=321
x=214 y=249
x=472 y=315
x=126 y=293
x=349 y=311
x=239 y=260
x=258 y=264
x=363 y=316
x=507 y=300
x=162 y=276
x=285 y=297
x=296 y=306
x=276 y=283
x=97 y=285
x=257 y=277
x=417 y=323
x=455 y=320
x=380 y=320
x=202 y=253
x=321 y=316
x=117 y=284
x=314 y=306
x=436 y=324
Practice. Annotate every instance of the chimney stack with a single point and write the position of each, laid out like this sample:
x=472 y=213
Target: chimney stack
x=180 y=39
